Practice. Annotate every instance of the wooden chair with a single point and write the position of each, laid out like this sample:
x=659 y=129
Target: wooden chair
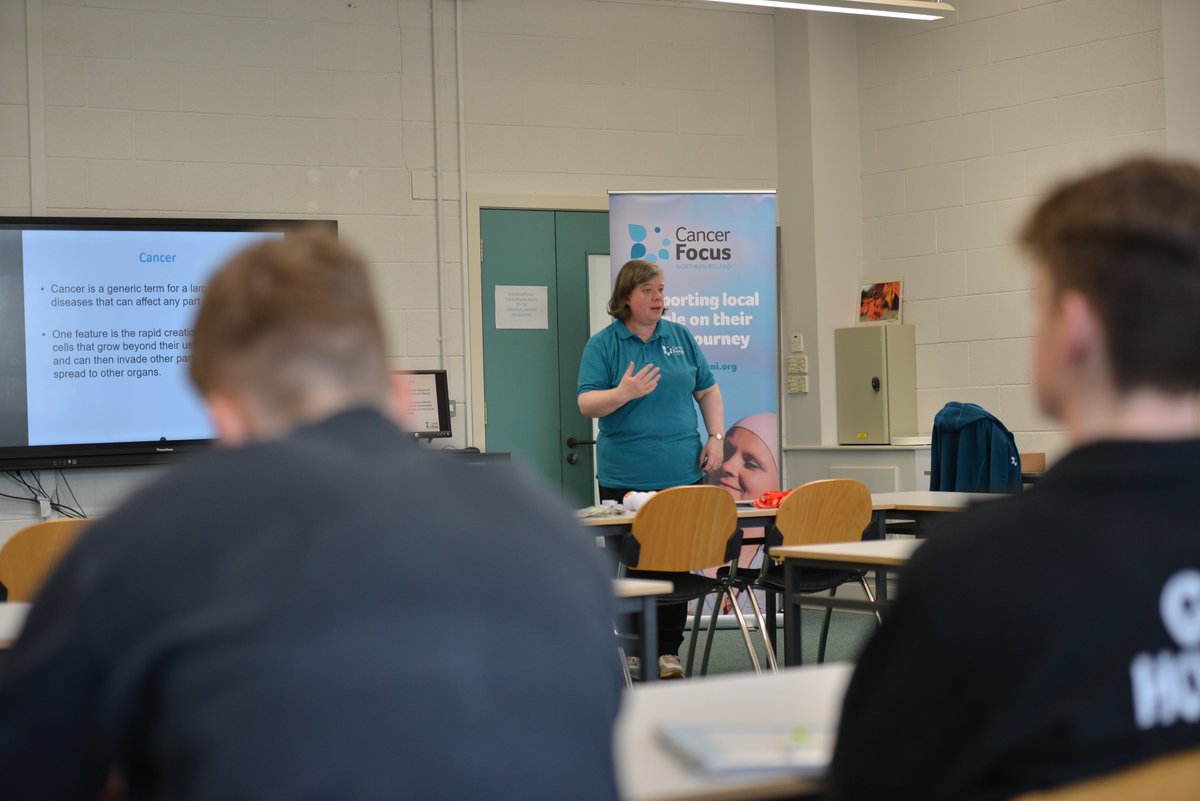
x=1174 y=777
x=28 y=555
x=833 y=510
x=1033 y=462
x=683 y=529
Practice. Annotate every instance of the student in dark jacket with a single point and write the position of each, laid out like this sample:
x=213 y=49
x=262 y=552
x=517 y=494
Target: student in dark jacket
x=1052 y=636
x=320 y=609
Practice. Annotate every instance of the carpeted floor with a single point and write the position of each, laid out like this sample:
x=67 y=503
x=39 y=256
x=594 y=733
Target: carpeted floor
x=848 y=633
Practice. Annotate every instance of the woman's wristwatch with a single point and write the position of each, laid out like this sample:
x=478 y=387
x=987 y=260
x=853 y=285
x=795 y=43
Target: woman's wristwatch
x=717 y=436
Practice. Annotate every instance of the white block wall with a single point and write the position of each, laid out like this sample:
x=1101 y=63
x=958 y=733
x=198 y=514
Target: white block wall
x=581 y=96
x=965 y=124
x=325 y=108
x=14 y=113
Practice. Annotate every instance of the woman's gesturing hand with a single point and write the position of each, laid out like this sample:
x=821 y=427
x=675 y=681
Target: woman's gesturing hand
x=641 y=383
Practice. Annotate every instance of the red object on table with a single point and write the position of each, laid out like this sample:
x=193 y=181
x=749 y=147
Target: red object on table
x=770 y=500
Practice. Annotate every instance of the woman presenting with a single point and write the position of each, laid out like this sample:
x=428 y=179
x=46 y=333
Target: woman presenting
x=641 y=376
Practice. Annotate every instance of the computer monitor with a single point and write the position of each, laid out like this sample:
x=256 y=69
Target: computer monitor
x=426 y=403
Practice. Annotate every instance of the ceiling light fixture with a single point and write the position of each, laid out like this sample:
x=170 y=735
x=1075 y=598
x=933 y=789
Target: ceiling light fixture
x=902 y=9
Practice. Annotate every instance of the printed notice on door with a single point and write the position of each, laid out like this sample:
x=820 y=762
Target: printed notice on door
x=522 y=307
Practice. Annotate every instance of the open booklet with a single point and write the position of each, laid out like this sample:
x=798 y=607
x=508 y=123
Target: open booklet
x=739 y=748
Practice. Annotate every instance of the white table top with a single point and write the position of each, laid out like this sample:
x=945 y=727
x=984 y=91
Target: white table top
x=12 y=617
x=640 y=588
x=926 y=501
x=626 y=519
x=917 y=501
x=891 y=553
x=647 y=771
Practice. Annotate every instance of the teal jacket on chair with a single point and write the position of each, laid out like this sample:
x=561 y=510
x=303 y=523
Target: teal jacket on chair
x=972 y=451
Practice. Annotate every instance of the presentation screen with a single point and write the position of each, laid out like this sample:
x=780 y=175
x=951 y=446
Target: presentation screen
x=95 y=335
x=425 y=398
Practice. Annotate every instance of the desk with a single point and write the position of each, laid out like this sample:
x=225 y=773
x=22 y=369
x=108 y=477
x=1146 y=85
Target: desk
x=637 y=597
x=881 y=556
x=922 y=506
x=12 y=618
x=647 y=771
x=609 y=530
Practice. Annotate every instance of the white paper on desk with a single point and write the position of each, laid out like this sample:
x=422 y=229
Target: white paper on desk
x=755 y=748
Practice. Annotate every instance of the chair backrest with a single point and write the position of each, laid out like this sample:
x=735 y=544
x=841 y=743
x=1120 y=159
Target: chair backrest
x=834 y=510
x=685 y=528
x=28 y=555
x=1174 y=777
x=1033 y=462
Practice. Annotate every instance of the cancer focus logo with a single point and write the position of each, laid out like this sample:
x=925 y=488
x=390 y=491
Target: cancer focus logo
x=640 y=250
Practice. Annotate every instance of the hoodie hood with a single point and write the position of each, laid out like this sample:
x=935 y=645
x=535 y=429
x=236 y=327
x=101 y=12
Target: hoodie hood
x=956 y=416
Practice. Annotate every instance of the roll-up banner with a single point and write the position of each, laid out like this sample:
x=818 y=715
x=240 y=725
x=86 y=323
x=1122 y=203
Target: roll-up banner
x=717 y=254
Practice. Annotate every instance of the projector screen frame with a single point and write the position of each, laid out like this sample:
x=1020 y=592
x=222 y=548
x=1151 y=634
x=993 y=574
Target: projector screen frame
x=143 y=452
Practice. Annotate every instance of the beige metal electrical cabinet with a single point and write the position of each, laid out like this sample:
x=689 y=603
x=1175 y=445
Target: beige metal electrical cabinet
x=876 y=383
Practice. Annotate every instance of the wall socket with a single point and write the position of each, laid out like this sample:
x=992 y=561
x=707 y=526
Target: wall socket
x=797 y=384
x=797 y=343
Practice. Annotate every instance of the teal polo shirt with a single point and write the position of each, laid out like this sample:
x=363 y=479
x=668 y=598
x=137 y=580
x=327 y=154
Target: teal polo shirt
x=651 y=442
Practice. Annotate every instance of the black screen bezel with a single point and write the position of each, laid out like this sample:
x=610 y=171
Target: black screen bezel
x=442 y=391
x=118 y=454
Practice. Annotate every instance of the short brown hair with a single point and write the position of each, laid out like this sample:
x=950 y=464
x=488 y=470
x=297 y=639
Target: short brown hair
x=288 y=317
x=1128 y=239
x=633 y=274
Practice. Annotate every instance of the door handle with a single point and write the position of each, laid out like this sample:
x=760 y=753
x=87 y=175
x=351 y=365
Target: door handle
x=572 y=442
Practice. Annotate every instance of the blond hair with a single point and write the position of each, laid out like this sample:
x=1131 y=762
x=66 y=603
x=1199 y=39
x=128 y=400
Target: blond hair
x=288 y=319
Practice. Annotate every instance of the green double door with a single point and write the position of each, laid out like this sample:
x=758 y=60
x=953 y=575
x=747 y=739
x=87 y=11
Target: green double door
x=530 y=374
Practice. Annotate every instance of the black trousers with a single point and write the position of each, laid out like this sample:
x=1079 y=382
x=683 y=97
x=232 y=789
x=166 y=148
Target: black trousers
x=671 y=616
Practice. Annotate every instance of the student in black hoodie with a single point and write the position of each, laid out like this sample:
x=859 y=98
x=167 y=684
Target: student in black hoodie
x=1054 y=635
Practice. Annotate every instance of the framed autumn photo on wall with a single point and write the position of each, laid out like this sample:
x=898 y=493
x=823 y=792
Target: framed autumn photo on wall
x=879 y=302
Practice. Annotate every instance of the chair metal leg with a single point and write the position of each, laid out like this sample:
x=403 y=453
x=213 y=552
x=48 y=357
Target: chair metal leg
x=737 y=611
x=871 y=597
x=825 y=628
x=624 y=666
x=772 y=662
x=695 y=638
x=771 y=610
x=712 y=628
